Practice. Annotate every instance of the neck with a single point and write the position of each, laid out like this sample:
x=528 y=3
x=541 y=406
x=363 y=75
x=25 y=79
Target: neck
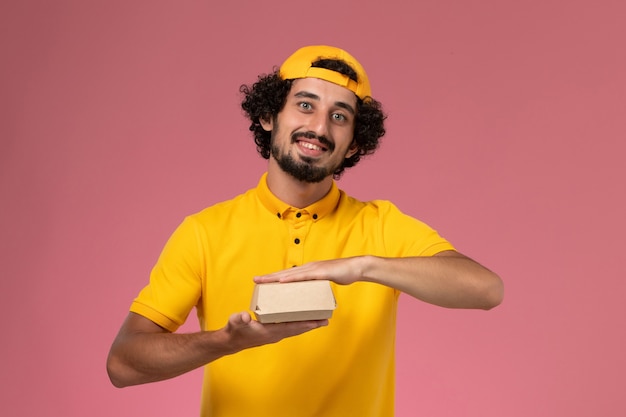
x=296 y=193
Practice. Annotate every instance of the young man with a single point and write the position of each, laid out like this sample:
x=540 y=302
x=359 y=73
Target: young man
x=311 y=119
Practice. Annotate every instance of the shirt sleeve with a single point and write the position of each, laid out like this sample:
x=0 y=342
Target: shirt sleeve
x=404 y=235
x=175 y=285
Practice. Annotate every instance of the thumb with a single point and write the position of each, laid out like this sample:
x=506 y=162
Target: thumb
x=239 y=319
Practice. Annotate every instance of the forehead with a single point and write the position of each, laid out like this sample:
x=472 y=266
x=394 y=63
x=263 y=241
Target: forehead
x=324 y=90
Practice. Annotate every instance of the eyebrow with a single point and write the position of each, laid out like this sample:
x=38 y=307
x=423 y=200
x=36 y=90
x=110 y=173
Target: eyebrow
x=312 y=96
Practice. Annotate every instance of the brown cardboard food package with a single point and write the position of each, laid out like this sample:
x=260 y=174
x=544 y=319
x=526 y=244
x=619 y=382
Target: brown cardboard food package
x=293 y=301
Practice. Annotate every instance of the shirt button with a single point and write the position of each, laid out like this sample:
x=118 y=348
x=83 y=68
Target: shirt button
x=278 y=214
x=298 y=215
x=315 y=216
x=296 y=241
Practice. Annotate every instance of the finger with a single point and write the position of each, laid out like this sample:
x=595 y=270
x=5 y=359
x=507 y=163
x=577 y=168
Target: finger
x=240 y=319
x=264 y=279
x=245 y=317
x=313 y=324
x=304 y=326
x=300 y=325
x=286 y=276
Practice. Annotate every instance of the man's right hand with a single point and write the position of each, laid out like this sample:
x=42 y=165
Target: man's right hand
x=243 y=332
x=145 y=352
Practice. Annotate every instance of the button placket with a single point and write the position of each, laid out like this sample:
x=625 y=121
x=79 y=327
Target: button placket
x=300 y=223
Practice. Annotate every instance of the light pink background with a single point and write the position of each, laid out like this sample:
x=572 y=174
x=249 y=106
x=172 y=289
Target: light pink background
x=507 y=133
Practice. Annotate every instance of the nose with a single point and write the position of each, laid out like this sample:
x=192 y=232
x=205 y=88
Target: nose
x=319 y=123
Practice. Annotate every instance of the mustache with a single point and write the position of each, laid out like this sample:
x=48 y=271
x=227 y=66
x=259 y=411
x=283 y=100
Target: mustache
x=311 y=135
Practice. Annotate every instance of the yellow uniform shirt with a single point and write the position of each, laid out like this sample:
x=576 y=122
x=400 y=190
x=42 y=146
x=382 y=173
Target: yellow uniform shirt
x=344 y=369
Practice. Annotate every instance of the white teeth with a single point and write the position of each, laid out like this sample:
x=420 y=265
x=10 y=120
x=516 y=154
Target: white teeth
x=310 y=146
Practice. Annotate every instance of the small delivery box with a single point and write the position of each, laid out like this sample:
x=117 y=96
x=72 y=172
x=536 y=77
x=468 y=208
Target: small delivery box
x=293 y=301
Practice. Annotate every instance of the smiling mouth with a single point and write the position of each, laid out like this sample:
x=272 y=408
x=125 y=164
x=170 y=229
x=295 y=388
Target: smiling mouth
x=319 y=144
x=311 y=146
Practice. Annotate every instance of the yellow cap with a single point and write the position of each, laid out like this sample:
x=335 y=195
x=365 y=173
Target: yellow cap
x=298 y=65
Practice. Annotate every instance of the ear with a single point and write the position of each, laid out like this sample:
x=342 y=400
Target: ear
x=354 y=148
x=267 y=123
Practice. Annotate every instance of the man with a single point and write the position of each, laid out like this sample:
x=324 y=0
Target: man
x=311 y=119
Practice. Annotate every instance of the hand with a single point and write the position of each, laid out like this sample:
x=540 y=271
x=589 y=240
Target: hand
x=343 y=271
x=243 y=332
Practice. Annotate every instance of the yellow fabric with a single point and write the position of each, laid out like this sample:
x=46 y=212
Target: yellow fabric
x=298 y=65
x=344 y=369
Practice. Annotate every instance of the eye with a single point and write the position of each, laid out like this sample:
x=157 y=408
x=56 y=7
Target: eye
x=304 y=105
x=339 y=117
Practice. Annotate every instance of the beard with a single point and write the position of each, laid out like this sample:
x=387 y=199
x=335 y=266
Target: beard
x=304 y=169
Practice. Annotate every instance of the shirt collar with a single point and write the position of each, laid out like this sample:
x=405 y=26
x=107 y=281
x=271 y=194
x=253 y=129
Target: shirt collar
x=317 y=210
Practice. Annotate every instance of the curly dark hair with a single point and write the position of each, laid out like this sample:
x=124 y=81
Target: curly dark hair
x=266 y=98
